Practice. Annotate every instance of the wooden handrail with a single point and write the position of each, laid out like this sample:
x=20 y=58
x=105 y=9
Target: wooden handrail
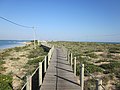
x=99 y=85
x=40 y=69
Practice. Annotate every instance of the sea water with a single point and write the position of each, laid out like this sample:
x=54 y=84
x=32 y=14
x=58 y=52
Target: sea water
x=11 y=43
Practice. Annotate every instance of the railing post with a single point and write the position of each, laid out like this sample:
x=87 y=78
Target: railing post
x=71 y=57
x=45 y=64
x=40 y=73
x=68 y=56
x=48 y=58
x=38 y=42
x=52 y=50
x=50 y=53
x=98 y=84
x=29 y=83
x=75 y=66
x=82 y=76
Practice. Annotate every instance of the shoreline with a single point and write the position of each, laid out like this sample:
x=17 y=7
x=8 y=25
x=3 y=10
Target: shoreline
x=10 y=47
x=19 y=44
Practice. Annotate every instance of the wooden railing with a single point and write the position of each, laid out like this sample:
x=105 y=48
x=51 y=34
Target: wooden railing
x=99 y=85
x=35 y=80
x=72 y=61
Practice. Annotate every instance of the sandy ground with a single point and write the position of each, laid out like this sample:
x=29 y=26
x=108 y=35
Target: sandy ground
x=16 y=66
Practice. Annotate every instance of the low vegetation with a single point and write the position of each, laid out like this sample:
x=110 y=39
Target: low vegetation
x=102 y=60
x=1 y=67
x=33 y=64
x=16 y=63
x=37 y=52
x=5 y=82
x=117 y=85
x=35 y=61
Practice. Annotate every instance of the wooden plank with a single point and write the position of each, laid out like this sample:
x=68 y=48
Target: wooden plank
x=59 y=75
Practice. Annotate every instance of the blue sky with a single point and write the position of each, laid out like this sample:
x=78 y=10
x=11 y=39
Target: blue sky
x=73 y=20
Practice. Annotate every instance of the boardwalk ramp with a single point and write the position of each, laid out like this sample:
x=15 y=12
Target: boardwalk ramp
x=59 y=75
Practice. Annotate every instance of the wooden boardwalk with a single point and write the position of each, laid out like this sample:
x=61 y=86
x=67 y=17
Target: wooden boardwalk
x=59 y=75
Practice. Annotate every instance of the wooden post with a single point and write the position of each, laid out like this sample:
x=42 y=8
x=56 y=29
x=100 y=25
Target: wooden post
x=75 y=66
x=29 y=83
x=50 y=54
x=40 y=73
x=71 y=57
x=82 y=76
x=98 y=84
x=45 y=64
x=52 y=50
x=48 y=58
x=68 y=56
x=38 y=42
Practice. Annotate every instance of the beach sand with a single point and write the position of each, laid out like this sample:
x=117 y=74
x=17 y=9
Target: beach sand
x=15 y=62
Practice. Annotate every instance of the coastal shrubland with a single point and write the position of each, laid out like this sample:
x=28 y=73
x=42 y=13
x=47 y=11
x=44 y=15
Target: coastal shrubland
x=35 y=61
x=102 y=60
x=36 y=52
x=16 y=63
x=32 y=64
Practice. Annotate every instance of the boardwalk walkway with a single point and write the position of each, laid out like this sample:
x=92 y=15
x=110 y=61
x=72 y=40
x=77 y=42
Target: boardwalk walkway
x=59 y=75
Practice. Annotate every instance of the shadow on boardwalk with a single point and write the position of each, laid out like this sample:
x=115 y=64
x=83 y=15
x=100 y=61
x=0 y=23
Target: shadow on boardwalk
x=62 y=63
x=67 y=80
x=63 y=69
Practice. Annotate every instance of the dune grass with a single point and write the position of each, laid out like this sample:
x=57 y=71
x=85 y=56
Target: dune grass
x=101 y=58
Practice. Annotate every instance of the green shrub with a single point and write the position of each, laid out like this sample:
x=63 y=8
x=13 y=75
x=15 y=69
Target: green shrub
x=22 y=55
x=35 y=61
x=36 y=52
x=114 y=50
x=111 y=76
x=111 y=65
x=17 y=49
x=92 y=55
x=32 y=65
x=87 y=52
x=99 y=50
x=105 y=80
x=9 y=50
x=36 y=41
x=78 y=69
x=91 y=68
x=14 y=59
x=109 y=55
x=117 y=72
x=4 y=54
x=5 y=82
x=90 y=84
x=112 y=61
x=1 y=67
x=99 y=61
x=117 y=86
x=2 y=62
